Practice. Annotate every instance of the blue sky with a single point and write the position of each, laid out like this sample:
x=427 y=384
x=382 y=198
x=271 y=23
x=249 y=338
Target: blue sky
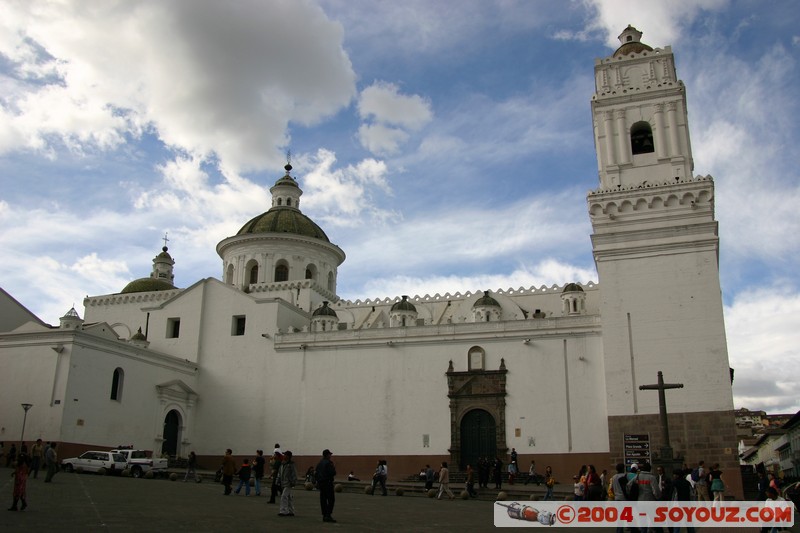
x=445 y=146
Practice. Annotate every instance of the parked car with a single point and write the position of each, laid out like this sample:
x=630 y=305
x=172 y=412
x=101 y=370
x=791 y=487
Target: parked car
x=95 y=461
x=791 y=492
x=139 y=463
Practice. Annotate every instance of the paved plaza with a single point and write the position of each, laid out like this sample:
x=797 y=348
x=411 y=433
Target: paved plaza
x=88 y=502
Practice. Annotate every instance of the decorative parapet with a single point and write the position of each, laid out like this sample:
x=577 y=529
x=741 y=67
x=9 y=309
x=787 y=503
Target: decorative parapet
x=134 y=297
x=427 y=298
x=691 y=194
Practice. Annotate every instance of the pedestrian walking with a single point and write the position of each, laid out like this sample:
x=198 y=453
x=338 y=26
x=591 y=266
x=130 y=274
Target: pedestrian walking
x=228 y=469
x=325 y=474
x=379 y=477
x=244 y=473
x=21 y=469
x=51 y=462
x=258 y=470
x=549 y=483
x=274 y=466
x=444 y=482
x=288 y=475
x=191 y=468
x=37 y=457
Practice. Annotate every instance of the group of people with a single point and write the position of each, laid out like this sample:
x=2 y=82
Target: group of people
x=283 y=473
x=27 y=465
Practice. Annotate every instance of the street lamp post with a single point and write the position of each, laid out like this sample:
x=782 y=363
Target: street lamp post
x=25 y=406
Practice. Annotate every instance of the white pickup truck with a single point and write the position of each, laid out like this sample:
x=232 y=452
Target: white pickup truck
x=139 y=463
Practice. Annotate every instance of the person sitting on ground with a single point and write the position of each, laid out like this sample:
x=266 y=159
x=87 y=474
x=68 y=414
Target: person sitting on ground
x=350 y=477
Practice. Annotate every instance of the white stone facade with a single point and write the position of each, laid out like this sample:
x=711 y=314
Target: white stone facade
x=243 y=363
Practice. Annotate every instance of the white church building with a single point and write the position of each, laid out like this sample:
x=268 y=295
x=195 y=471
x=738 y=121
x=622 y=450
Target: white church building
x=270 y=353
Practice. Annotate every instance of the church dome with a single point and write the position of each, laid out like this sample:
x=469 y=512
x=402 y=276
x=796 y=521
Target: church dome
x=486 y=300
x=284 y=219
x=324 y=311
x=404 y=305
x=631 y=43
x=572 y=287
x=147 y=285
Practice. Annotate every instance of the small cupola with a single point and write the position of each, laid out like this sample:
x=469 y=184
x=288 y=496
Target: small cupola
x=160 y=279
x=402 y=314
x=324 y=319
x=71 y=320
x=573 y=299
x=486 y=309
x=138 y=339
x=286 y=192
x=630 y=42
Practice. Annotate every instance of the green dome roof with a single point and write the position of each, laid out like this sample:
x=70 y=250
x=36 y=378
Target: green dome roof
x=632 y=48
x=486 y=300
x=284 y=219
x=572 y=287
x=324 y=311
x=404 y=305
x=147 y=285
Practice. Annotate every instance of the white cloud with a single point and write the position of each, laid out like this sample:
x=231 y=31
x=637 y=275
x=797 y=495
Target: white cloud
x=208 y=78
x=380 y=139
x=382 y=103
x=763 y=337
x=390 y=115
x=343 y=196
x=461 y=237
x=661 y=22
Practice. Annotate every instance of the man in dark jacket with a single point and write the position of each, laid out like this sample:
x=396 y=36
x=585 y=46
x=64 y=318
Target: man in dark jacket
x=325 y=473
x=228 y=471
x=683 y=491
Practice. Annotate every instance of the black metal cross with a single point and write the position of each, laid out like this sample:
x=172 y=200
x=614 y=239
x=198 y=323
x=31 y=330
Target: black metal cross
x=661 y=387
x=164 y=238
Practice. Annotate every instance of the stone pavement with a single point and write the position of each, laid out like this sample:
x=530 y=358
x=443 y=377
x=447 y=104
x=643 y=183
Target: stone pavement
x=89 y=503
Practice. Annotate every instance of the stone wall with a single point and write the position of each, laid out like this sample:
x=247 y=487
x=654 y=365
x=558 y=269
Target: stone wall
x=705 y=436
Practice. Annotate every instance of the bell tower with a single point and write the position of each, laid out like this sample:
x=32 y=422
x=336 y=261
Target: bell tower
x=640 y=120
x=656 y=249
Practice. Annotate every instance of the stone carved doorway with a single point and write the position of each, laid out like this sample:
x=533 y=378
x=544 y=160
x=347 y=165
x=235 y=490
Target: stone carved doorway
x=477 y=414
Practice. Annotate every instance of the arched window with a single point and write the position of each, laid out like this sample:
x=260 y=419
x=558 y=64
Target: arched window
x=289 y=202
x=116 y=384
x=330 y=281
x=229 y=275
x=642 y=138
x=280 y=201
x=311 y=271
x=254 y=274
x=281 y=272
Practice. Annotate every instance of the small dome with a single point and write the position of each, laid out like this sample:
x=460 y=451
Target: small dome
x=147 y=285
x=324 y=311
x=572 y=287
x=404 y=305
x=164 y=254
x=630 y=43
x=284 y=219
x=485 y=300
x=138 y=336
